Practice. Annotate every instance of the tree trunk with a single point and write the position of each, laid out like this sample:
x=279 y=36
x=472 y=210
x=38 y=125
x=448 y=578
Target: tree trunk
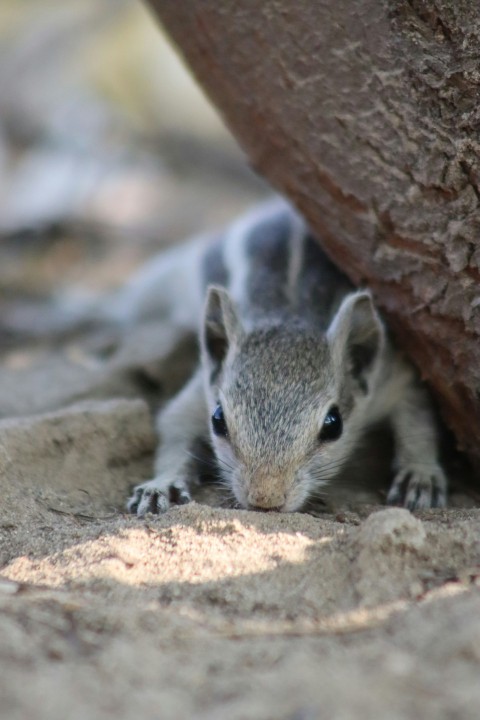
x=367 y=115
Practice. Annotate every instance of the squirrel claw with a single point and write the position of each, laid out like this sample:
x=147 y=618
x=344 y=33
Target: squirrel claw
x=418 y=488
x=155 y=496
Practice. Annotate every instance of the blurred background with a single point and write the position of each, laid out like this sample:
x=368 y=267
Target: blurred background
x=108 y=149
x=109 y=152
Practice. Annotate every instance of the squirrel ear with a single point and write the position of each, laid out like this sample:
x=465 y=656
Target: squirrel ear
x=221 y=325
x=356 y=335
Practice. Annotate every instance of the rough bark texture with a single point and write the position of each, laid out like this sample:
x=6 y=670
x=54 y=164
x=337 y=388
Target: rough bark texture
x=367 y=115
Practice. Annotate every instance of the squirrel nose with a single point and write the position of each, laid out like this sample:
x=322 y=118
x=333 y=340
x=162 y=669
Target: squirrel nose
x=263 y=500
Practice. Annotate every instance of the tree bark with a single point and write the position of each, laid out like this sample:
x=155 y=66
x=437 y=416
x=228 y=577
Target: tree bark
x=367 y=115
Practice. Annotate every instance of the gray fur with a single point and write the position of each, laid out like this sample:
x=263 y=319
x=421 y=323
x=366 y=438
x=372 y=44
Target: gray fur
x=284 y=338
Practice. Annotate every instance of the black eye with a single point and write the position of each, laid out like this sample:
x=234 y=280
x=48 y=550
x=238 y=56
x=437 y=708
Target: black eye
x=332 y=425
x=218 y=422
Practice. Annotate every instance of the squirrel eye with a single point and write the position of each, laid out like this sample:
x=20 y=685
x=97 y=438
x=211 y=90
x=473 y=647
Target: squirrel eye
x=332 y=425
x=218 y=422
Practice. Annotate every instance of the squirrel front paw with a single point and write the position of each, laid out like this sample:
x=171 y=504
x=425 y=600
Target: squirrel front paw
x=418 y=487
x=156 y=496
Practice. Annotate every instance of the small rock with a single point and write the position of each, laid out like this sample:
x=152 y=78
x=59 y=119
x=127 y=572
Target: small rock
x=392 y=527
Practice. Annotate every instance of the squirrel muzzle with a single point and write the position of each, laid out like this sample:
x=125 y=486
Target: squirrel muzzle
x=266 y=493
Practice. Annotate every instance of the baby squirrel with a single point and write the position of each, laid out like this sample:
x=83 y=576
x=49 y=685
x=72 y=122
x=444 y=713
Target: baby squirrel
x=295 y=366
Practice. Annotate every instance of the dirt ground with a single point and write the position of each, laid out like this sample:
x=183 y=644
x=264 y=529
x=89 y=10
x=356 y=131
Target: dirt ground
x=216 y=613
x=352 y=612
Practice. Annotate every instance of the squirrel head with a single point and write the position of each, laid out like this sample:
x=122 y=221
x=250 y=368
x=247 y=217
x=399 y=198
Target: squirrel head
x=287 y=402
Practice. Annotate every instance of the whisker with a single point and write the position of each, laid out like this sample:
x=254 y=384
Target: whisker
x=332 y=465
x=223 y=464
x=209 y=461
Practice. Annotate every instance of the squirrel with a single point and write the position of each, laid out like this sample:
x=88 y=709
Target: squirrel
x=295 y=365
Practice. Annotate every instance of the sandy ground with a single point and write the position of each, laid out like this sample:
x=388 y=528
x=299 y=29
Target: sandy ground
x=216 y=613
